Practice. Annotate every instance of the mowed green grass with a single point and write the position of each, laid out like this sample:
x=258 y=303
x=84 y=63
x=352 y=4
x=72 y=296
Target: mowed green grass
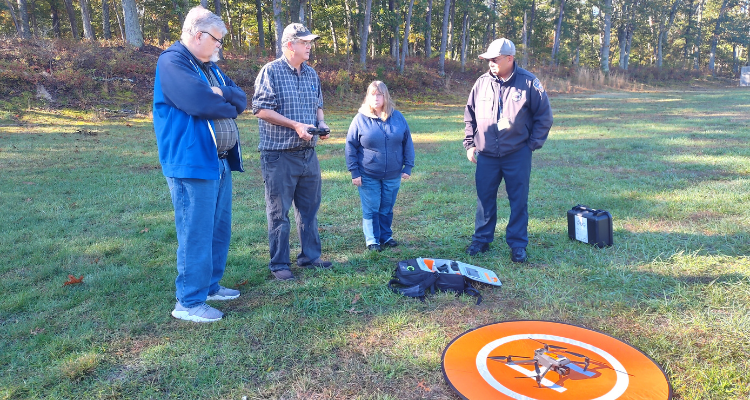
x=86 y=197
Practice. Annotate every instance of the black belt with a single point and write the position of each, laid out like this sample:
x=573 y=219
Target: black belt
x=223 y=155
x=298 y=148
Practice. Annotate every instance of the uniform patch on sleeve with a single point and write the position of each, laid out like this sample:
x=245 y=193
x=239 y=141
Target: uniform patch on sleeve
x=538 y=85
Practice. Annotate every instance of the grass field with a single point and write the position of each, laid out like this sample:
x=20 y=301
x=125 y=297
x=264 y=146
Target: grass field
x=84 y=195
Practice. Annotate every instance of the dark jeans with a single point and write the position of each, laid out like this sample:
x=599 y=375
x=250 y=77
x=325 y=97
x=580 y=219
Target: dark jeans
x=515 y=168
x=292 y=178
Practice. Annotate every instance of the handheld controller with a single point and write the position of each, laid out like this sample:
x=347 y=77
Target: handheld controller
x=318 y=131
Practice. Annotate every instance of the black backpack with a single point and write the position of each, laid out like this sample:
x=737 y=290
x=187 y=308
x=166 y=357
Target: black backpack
x=411 y=281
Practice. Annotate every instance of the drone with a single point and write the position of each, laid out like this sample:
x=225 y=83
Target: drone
x=547 y=360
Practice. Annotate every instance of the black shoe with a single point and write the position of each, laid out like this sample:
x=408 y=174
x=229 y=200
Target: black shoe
x=374 y=247
x=518 y=255
x=390 y=243
x=477 y=247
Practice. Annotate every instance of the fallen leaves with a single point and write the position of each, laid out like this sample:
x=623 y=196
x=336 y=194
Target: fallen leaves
x=422 y=386
x=354 y=301
x=72 y=280
x=243 y=283
x=144 y=230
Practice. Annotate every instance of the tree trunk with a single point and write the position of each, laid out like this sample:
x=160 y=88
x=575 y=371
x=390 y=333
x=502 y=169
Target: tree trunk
x=24 y=17
x=261 y=34
x=33 y=22
x=664 y=31
x=365 y=34
x=715 y=38
x=450 y=31
x=444 y=39
x=494 y=19
x=607 y=34
x=532 y=19
x=463 y=40
x=106 y=27
x=628 y=35
x=13 y=17
x=428 y=31
x=119 y=24
x=279 y=25
x=88 y=30
x=405 y=47
x=55 y=14
x=133 y=33
x=524 y=42
x=204 y=3
x=698 y=37
x=558 y=31
x=333 y=32
x=72 y=19
x=394 y=29
x=302 y=11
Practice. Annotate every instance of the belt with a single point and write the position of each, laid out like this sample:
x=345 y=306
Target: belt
x=298 y=148
x=223 y=155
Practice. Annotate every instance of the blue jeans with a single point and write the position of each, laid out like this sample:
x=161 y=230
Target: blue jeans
x=292 y=178
x=378 y=197
x=203 y=219
x=515 y=168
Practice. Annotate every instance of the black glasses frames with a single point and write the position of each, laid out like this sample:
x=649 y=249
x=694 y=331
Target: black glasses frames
x=221 y=41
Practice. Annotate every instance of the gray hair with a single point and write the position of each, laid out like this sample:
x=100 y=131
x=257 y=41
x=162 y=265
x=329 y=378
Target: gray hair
x=198 y=19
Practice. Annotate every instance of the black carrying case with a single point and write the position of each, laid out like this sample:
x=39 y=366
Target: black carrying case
x=590 y=226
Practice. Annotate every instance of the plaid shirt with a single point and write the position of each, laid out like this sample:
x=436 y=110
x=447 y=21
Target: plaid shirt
x=297 y=97
x=225 y=129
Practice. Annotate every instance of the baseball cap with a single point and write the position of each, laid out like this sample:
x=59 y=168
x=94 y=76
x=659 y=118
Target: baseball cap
x=297 y=31
x=499 y=47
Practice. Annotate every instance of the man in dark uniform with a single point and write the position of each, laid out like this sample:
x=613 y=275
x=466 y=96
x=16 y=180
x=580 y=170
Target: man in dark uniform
x=507 y=116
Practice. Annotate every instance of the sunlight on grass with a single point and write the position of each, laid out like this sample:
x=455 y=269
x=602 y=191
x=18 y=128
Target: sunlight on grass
x=671 y=167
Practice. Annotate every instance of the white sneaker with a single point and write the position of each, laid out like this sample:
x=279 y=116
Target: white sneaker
x=201 y=313
x=224 y=294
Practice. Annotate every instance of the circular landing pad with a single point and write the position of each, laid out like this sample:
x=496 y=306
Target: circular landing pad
x=542 y=360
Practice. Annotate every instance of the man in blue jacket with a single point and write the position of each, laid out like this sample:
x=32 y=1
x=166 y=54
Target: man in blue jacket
x=507 y=116
x=195 y=105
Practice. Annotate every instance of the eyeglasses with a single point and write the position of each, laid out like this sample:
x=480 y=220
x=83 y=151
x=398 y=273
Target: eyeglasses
x=220 y=41
x=306 y=43
x=497 y=59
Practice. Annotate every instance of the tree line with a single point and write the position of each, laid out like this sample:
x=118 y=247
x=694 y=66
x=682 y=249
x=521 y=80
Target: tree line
x=711 y=35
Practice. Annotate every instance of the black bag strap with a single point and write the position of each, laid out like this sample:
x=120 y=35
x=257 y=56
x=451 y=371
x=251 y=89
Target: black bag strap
x=470 y=291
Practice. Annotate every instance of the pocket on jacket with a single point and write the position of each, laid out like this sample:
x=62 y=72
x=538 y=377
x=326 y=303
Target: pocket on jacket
x=370 y=157
x=484 y=108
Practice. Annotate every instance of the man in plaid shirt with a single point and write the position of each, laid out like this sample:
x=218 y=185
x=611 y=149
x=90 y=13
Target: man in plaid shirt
x=287 y=101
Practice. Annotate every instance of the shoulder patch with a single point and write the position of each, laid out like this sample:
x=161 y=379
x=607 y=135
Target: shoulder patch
x=538 y=85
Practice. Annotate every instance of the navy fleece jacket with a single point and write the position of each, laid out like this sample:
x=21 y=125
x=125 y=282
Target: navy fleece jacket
x=379 y=149
x=184 y=107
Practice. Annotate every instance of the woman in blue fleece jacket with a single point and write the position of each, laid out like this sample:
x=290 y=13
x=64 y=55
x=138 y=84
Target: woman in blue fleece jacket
x=379 y=154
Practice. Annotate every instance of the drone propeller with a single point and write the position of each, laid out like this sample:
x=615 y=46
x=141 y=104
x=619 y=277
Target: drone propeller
x=547 y=346
x=538 y=376
x=508 y=358
x=575 y=354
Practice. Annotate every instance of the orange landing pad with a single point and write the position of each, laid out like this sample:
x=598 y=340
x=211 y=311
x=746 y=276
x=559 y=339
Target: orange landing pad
x=498 y=361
